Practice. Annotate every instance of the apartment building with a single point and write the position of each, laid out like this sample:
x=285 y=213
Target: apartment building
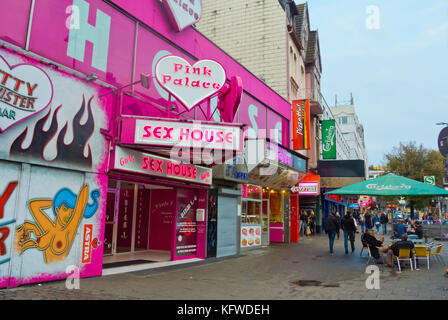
x=273 y=40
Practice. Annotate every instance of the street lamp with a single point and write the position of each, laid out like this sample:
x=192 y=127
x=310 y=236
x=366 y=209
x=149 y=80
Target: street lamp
x=441 y=123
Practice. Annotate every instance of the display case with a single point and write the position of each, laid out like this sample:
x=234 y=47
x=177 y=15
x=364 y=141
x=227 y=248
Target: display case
x=251 y=216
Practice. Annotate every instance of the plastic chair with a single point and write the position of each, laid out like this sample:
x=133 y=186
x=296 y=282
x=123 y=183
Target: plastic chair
x=404 y=255
x=421 y=252
x=437 y=253
x=364 y=246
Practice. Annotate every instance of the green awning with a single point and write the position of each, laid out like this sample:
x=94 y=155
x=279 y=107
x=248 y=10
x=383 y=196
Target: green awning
x=391 y=185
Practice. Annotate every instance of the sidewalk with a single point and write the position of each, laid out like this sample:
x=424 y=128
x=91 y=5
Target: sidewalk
x=264 y=273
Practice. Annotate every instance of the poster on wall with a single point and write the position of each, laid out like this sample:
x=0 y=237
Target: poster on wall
x=301 y=124
x=186 y=227
x=250 y=236
x=329 y=139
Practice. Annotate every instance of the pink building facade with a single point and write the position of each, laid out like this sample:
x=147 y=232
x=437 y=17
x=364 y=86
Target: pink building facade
x=70 y=94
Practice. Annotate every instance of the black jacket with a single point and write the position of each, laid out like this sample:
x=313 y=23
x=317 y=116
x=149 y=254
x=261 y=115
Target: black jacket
x=373 y=244
x=402 y=245
x=369 y=221
x=304 y=217
x=384 y=219
x=331 y=224
x=348 y=224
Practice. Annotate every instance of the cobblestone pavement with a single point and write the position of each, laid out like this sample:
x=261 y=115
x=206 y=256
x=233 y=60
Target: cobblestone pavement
x=264 y=273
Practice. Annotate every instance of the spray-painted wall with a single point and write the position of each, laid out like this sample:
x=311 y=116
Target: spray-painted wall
x=52 y=164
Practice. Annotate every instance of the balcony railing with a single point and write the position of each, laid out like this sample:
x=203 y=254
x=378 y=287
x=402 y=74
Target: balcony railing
x=311 y=93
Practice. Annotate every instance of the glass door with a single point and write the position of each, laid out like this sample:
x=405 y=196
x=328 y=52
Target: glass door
x=111 y=211
x=126 y=213
x=265 y=223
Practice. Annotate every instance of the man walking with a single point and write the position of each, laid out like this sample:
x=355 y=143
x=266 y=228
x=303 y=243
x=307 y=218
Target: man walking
x=349 y=227
x=384 y=220
x=331 y=228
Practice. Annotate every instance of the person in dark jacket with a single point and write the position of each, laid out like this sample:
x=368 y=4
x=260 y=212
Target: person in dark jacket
x=376 y=246
x=384 y=220
x=331 y=228
x=394 y=249
x=349 y=227
x=312 y=223
x=368 y=221
x=338 y=217
x=303 y=222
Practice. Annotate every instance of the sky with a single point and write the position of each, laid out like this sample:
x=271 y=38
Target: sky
x=396 y=66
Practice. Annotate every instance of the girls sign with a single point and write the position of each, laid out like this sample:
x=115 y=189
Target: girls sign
x=190 y=84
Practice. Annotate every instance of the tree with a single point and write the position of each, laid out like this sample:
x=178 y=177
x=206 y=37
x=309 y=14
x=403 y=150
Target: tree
x=414 y=161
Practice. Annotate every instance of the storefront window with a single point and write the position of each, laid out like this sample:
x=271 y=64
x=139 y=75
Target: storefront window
x=251 y=216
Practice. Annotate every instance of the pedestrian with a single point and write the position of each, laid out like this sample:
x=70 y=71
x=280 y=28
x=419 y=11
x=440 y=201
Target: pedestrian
x=376 y=246
x=349 y=227
x=303 y=222
x=384 y=220
x=368 y=221
x=312 y=222
x=338 y=218
x=362 y=222
x=331 y=228
x=377 y=222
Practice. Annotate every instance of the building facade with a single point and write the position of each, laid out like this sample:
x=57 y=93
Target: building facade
x=105 y=159
x=353 y=131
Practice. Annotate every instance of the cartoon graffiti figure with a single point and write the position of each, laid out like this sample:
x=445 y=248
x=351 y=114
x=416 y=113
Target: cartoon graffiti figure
x=55 y=238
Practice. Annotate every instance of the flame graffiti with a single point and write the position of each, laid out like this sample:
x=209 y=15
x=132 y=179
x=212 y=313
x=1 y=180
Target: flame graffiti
x=68 y=154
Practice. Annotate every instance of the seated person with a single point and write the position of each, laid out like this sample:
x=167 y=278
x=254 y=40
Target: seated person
x=404 y=243
x=417 y=230
x=401 y=229
x=376 y=246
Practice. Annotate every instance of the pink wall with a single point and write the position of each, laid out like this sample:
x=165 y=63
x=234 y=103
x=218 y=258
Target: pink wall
x=50 y=38
x=13 y=26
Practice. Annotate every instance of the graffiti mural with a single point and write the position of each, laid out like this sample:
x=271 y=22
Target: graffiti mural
x=71 y=153
x=55 y=237
x=4 y=225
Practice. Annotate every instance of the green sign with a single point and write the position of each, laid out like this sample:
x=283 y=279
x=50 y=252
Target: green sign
x=329 y=139
x=430 y=180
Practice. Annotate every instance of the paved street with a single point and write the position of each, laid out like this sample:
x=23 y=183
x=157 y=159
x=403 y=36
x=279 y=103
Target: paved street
x=266 y=273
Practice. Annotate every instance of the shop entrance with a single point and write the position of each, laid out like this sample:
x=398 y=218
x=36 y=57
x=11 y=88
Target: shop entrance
x=138 y=224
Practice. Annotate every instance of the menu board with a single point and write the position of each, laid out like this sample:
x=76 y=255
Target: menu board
x=186 y=227
x=250 y=236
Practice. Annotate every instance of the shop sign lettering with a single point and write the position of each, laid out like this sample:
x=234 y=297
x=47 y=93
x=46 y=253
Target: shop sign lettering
x=186 y=134
x=306 y=188
x=25 y=90
x=183 y=13
x=190 y=84
x=134 y=161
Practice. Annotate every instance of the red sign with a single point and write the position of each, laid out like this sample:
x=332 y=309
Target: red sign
x=87 y=244
x=301 y=124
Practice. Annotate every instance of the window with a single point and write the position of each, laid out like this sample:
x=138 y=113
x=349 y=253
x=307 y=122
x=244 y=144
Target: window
x=343 y=120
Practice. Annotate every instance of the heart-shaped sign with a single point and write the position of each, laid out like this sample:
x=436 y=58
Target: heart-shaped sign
x=184 y=13
x=25 y=90
x=190 y=84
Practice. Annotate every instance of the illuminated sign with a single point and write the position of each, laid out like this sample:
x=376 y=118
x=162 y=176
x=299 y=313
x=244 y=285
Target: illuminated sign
x=188 y=134
x=145 y=163
x=183 y=13
x=190 y=84
x=301 y=124
x=306 y=189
